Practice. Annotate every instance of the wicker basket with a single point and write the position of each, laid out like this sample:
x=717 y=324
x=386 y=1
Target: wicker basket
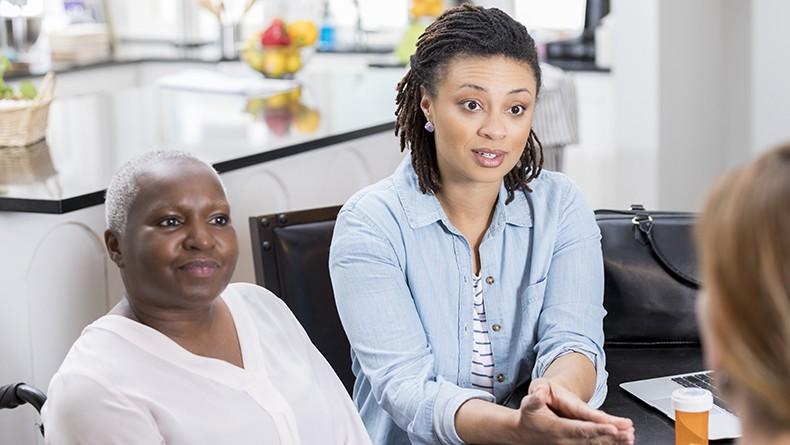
x=27 y=123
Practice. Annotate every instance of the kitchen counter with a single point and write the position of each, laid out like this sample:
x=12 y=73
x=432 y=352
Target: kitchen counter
x=92 y=132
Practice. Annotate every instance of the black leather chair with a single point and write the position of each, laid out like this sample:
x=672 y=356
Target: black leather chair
x=291 y=255
x=17 y=394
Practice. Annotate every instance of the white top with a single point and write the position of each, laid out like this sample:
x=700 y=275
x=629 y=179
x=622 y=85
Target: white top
x=482 y=355
x=125 y=383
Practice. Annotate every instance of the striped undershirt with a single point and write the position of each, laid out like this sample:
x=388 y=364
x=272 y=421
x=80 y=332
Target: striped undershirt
x=482 y=356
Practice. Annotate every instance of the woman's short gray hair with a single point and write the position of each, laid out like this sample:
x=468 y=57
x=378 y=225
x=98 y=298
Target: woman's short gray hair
x=124 y=184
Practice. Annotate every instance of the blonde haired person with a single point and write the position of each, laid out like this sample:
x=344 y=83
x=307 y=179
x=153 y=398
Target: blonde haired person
x=744 y=240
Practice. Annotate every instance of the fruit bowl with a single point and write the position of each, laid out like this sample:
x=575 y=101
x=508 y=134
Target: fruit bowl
x=277 y=61
x=280 y=50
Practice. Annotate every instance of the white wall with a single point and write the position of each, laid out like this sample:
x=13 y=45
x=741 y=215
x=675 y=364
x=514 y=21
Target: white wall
x=692 y=92
x=506 y=5
x=636 y=101
x=737 y=43
x=770 y=71
x=701 y=85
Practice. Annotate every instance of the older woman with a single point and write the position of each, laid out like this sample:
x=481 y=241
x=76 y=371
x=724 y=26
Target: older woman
x=184 y=358
x=744 y=242
x=469 y=273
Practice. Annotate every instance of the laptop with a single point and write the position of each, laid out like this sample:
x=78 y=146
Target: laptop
x=657 y=392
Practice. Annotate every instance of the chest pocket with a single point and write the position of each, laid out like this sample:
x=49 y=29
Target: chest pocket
x=533 y=293
x=530 y=303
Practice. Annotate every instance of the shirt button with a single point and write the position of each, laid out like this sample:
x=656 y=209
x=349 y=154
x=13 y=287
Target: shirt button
x=500 y=378
x=496 y=327
x=489 y=280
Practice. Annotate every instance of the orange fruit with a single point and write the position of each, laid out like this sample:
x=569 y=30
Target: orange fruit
x=302 y=32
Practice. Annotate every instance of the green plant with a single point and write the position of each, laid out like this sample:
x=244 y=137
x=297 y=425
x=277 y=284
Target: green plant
x=26 y=88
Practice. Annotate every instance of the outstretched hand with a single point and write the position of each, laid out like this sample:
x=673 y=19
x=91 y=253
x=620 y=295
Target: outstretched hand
x=551 y=414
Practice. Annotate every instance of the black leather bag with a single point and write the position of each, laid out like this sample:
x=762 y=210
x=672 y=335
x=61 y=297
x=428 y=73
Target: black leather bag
x=650 y=277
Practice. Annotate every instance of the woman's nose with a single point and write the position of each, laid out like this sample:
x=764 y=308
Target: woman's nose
x=199 y=237
x=493 y=128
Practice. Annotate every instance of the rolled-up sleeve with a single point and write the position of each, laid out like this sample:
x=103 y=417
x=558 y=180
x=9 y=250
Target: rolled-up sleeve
x=385 y=331
x=572 y=316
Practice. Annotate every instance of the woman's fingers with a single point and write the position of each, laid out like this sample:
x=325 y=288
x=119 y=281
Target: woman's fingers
x=621 y=423
x=536 y=399
x=626 y=437
x=560 y=414
x=542 y=425
x=570 y=405
x=583 y=432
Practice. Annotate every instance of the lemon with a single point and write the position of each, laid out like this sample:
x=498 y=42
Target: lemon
x=295 y=94
x=279 y=100
x=255 y=59
x=253 y=42
x=435 y=10
x=418 y=10
x=254 y=105
x=293 y=62
x=307 y=120
x=274 y=63
x=302 y=32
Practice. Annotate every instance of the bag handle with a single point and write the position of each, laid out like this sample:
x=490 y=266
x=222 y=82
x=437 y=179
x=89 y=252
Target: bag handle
x=644 y=221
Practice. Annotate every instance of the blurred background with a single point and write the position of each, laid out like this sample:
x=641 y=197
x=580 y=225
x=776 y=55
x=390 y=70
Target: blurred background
x=643 y=102
x=669 y=95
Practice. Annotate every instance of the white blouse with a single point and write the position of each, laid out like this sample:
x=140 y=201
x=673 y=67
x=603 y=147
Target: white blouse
x=125 y=383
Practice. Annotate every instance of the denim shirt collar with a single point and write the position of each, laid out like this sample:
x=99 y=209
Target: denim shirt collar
x=423 y=209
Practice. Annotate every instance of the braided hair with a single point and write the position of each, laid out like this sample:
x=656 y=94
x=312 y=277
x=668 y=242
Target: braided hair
x=463 y=31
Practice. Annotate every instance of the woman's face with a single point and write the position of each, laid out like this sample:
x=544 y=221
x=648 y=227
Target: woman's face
x=482 y=112
x=179 y=248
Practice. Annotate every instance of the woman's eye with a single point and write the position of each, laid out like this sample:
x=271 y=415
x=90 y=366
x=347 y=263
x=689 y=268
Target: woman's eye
x=517 y=110
x=220 y=220
x=471 y=105
x=170 y=221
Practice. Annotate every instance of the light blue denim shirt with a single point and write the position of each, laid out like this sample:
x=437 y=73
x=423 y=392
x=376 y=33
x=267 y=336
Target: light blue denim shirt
x=402 y=280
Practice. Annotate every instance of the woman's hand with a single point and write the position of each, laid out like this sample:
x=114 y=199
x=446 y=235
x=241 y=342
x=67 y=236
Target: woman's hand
x=550 y=414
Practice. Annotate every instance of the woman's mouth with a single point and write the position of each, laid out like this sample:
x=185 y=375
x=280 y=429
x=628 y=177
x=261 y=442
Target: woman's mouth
x=200 y=269
x=489 y=158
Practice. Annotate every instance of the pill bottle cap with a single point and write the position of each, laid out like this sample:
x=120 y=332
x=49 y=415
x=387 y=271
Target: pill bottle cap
x=692 y=400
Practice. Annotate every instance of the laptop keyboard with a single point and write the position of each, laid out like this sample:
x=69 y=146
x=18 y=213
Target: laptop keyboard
x=702 y=380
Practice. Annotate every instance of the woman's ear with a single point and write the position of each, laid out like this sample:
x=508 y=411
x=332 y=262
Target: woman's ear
x=113 y=245
x=426 y=104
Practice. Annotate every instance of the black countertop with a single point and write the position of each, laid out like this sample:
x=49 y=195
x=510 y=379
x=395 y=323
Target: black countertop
x=91 y=135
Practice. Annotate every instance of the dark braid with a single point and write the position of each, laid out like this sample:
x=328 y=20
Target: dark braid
x=469 y=31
